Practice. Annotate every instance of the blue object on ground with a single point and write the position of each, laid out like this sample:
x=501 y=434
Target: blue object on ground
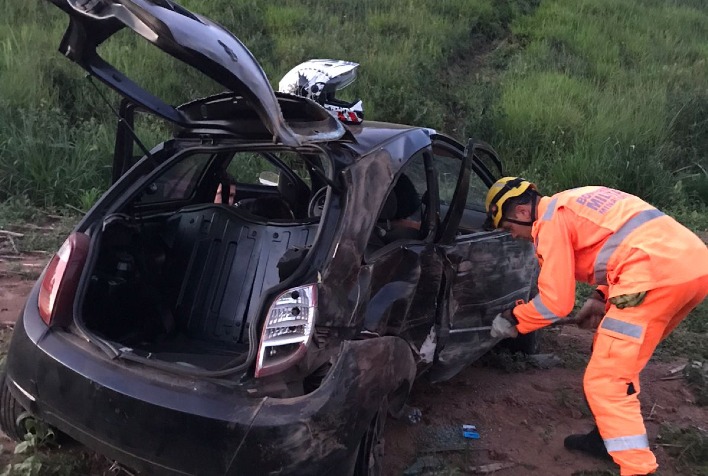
x=470 y=431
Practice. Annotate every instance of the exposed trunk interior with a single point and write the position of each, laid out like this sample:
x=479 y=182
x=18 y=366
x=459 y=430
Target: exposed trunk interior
x=185 y=287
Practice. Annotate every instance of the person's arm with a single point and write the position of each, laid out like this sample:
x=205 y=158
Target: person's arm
x=592 y=311
x=556 y=282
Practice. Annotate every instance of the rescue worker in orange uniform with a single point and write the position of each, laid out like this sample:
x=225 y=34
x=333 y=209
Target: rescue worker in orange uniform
x=650 y=272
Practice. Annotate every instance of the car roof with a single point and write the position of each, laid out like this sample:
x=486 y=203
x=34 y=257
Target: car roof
x=370 y=135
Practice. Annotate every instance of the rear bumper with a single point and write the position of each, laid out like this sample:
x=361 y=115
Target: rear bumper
x=161 y=424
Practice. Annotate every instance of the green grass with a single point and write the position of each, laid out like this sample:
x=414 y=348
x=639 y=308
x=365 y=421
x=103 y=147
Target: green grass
x=56 y=140
x=39 y=229
x=688 y=446
x=602 y=95
x=689 y=338
x=49 y=159
x=40 y=455
x=571 y=93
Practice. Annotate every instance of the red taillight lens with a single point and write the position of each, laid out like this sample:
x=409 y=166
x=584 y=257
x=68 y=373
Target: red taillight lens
x=61 y=277
x=287 y=330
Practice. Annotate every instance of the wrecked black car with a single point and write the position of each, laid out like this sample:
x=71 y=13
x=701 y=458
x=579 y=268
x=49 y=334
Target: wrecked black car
x=256 y=294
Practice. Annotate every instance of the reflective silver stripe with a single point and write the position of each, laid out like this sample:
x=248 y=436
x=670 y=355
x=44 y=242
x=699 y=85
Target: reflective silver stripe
x=541 y=308
x=603 y=257
x=548 y=214
x=621 y=327
x=636 y=442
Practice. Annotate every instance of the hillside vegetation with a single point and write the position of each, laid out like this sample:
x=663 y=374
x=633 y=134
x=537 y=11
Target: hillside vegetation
x=613 y=93
x=571 y=93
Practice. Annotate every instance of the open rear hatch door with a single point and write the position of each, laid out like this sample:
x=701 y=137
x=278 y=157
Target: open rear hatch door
x=194 y=40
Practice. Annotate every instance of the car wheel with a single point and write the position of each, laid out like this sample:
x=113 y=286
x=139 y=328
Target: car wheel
x=530 y=343
x=11 y=412
x=369 y=460
x=525 y=343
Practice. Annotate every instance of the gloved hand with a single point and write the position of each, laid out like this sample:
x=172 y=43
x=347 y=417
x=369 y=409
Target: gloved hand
x=592 y=312
x=628 y=300
x=503 y=327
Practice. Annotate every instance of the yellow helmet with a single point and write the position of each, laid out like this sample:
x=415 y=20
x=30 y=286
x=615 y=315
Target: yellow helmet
x=501 y=191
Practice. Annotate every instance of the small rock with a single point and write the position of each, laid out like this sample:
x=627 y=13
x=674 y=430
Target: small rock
x=412 y=415
x=495 y=455
x=545 y=361
x=491 y=468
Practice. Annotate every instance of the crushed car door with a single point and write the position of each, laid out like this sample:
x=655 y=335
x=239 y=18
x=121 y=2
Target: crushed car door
x=192 y=39
x=488 y=270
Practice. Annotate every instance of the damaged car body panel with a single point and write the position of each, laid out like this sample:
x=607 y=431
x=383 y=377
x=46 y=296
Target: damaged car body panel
x=359 y=377
x=228 y=434
x=368 y=183
x=489 y=273
x=259 y=290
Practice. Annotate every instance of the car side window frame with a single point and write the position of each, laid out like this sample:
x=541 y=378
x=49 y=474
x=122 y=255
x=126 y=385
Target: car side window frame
x=430 y=217
x=471 y=163
x=450 y=222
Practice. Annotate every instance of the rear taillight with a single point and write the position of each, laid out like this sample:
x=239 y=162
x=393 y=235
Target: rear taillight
x=287 y=330
x=61 y=278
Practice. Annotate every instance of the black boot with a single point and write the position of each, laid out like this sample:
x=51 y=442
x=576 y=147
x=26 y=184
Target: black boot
x=590 y=443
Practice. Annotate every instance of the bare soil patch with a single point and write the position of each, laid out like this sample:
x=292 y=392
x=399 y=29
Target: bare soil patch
x=17 y=276
x=522 y=418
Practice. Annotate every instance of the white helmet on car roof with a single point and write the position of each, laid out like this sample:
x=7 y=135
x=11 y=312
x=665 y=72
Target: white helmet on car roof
x=319 y=79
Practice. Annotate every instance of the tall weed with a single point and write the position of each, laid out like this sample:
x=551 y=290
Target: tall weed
x=47 y=158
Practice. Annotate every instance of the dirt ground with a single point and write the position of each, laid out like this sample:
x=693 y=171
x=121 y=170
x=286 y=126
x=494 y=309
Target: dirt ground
x=521 y=417
x=15 y=285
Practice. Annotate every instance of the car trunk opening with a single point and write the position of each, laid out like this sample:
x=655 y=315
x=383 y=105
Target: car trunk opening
x=185 y=287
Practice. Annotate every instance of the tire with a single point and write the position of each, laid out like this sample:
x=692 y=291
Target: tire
x=529 y=344
x=10 y=411
x=369 y=459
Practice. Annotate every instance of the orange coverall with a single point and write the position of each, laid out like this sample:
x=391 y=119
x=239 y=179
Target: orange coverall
x=624 y=245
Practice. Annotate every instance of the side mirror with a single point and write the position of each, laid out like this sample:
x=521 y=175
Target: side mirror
x=269 y=178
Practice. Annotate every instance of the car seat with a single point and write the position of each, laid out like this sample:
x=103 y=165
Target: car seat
x=402 y=202
x=272 y=207
x=295 y=193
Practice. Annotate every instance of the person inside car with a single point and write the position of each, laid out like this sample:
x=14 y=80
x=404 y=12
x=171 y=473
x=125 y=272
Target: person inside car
x=404 y=204
x=268 y=207
x=230 y=197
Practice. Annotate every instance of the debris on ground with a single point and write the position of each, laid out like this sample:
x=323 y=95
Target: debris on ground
x=697 y=378
x=674 y=373
x=490 y=468
x=412 y=415
x=470 y=431
x=545 y=361
x=688 y=445
x=445 y=438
